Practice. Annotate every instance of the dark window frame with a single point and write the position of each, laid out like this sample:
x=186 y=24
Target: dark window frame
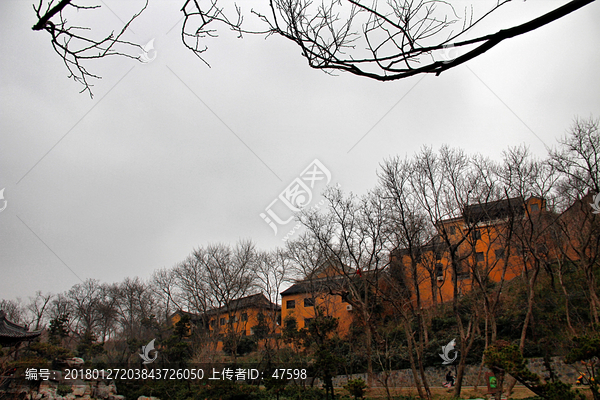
x=439 y=270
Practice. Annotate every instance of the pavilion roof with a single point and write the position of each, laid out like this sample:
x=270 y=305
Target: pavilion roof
x=11 y=333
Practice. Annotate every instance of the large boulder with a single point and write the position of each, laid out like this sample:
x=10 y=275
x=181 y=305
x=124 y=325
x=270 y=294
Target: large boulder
x=78 y=390
x=102 y=390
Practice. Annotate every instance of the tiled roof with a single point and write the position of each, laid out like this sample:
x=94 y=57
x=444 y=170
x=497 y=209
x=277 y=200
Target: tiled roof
x=254 y=301
x=494 y=210
x=11 y=333
x=313 y=285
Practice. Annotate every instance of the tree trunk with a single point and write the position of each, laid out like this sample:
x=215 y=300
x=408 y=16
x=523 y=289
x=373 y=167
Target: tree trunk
x=595 y=303
x=564 y=289
x=369 y=342
x=412 y=361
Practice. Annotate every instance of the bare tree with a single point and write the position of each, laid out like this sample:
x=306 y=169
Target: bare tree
x=229 y=274
x=379 y=40
x=306 y=256
x=61 y=305
x=272 y=271
x=190 y=281
x=577 y=160
x=38 y=308
x=445 y=184
x=84 y=298
x=136 y=304
x=107 y=308
x=524 y=177
x=164 y=284
x=213 y=277
x=352 y=237
x=411 y=237
x=75 y=44
x=229 y=270
x=13 y=309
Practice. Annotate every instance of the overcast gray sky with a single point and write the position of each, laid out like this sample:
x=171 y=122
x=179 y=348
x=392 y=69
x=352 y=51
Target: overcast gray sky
x=172 y=154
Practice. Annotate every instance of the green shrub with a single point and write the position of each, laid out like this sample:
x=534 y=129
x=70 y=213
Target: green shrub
x=63 y=390
x=356 y=388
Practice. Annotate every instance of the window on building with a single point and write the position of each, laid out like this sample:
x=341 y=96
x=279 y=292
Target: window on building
x=290 y=304
x=438 y=255
x=222 y=321
x=452 y=230
x=476 y=234
x=479 y=256
x=309 y=302
x=439 y=271
x=212 y=322
x=244 y=317
x=462 y=272
x=535 y=207
x=499 y=253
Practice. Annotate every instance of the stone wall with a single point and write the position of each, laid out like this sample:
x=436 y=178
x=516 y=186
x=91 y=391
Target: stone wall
x=437 y=376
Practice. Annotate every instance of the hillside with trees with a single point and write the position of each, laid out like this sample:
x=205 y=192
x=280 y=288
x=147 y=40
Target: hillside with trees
x=514 y=282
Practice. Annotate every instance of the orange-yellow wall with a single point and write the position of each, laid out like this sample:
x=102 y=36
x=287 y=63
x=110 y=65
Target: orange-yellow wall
x=492 y=239
x=241 y=327
x=330 y=305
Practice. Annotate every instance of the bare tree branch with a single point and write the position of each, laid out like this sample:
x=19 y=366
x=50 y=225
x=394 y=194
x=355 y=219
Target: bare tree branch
x=74 y=47
x=390 y=41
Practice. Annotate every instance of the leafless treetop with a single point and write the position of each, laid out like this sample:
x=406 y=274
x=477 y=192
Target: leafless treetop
x=75 y=44
x=376 y=39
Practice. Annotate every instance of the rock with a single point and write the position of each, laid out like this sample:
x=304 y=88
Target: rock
x=88 y=390
x=78 y=390
x=102 y=391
